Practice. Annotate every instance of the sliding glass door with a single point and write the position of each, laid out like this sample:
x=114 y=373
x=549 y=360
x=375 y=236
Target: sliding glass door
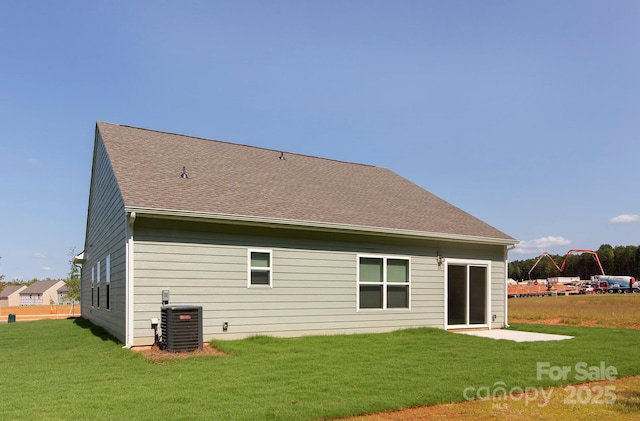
x=467 y=294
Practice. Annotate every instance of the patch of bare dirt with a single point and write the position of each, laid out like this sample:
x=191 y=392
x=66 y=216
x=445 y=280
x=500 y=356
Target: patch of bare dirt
x=552 y=321
x=28 y=313
x=155 y=354
x=558 y=321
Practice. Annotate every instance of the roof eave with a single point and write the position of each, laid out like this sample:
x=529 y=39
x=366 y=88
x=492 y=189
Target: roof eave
x=313 y=225
x=79 y=258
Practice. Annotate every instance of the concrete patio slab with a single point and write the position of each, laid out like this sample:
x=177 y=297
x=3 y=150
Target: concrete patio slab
x=515 y=335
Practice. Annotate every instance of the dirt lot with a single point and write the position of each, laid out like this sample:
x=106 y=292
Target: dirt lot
x=27 y=313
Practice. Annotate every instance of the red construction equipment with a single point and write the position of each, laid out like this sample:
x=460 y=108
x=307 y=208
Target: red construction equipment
x=564 y=261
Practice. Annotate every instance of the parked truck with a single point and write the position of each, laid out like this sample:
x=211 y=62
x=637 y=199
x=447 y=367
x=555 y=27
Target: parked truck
x=616 y=284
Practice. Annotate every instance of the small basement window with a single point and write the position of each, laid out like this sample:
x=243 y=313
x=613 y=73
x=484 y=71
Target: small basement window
x=260 y=268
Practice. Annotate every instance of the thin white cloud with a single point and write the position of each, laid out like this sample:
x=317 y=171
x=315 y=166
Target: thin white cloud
x=33 y=161
x=625 y=218
x=46 y=268
x=540 y=245
x=39 y=256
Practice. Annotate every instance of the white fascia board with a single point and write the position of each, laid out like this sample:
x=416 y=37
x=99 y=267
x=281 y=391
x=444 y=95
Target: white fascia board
x=313 y=225
x=79 y=258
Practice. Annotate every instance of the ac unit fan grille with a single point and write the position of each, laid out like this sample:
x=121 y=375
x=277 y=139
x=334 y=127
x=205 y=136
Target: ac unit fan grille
x=181 y=328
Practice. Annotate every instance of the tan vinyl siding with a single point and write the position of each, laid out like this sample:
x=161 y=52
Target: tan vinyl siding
x=314 y=281
x=106 y=235
x=498 y=285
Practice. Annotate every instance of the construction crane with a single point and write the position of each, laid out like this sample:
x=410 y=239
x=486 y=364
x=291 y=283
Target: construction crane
x=564 y=261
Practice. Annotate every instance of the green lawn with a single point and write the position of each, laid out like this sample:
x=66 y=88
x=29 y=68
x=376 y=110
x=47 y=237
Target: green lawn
x=69 y=369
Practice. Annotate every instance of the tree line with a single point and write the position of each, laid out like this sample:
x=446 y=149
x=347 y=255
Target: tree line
x=23 y=282
x=618 y=260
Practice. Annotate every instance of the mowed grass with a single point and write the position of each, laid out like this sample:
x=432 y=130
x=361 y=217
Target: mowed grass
x=607 y=310
x=69 y=369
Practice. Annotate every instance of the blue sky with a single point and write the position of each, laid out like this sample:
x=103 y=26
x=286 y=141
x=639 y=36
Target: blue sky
x=525 y=114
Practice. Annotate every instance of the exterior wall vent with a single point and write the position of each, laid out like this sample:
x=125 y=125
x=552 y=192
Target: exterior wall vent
x=181 y=328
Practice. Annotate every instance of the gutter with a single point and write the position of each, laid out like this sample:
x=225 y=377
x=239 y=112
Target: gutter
x=506 y=286
x=129 y=334
x=313 y=225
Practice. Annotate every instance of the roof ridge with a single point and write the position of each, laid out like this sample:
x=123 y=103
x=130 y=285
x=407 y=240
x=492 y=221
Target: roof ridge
x=247 y=146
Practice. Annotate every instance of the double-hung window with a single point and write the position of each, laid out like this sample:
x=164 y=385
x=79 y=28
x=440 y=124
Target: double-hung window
x=93 y=280
x=383 y=282
x=260 y=270
x=98 y=284
x=107 y=264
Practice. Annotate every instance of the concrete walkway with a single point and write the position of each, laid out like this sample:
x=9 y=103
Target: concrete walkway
x=515 y=335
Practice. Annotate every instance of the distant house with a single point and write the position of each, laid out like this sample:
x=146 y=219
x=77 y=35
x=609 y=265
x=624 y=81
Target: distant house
x=63 y=296
x=40 y=293
x=276 y=243
x=10 y=295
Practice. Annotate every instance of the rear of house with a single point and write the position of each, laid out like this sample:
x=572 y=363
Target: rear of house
x=276 y=243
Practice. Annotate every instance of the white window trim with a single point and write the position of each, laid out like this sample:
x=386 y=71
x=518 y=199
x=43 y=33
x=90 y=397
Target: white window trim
x=468 y=262
x=98 y=284
x=384 y=258
x=250 y=268
x=93 y=280
x=107 y=280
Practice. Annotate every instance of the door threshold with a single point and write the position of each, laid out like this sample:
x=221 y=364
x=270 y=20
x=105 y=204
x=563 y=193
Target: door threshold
x=467 y=329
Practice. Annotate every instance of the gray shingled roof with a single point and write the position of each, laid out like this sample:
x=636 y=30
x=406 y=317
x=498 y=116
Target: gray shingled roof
x=231 y=179
x=40 y=287
x=9 y=289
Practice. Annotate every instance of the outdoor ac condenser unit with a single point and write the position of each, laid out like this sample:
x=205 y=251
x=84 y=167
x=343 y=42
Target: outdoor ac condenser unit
x=181 y=328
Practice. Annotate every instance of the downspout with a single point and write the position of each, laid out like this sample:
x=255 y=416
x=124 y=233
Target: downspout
x=131 y=218
x=506 y=285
